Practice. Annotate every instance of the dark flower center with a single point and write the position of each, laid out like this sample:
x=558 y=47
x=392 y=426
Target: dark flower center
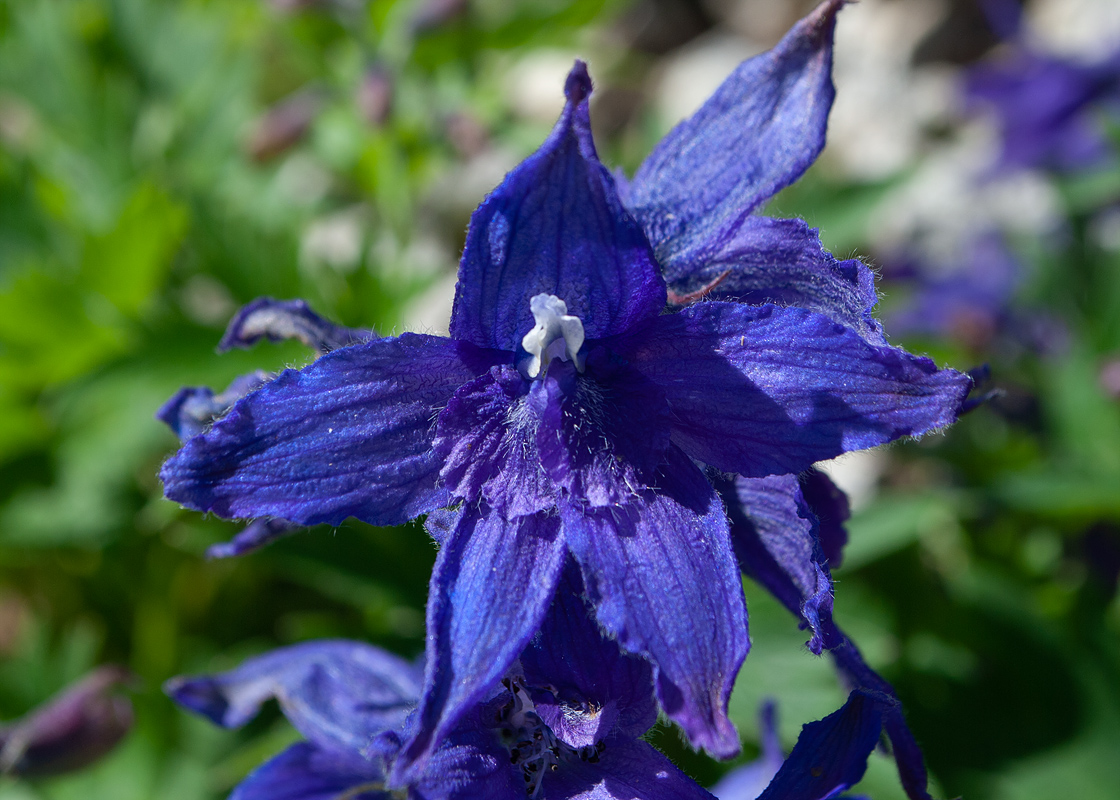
x=533 y=747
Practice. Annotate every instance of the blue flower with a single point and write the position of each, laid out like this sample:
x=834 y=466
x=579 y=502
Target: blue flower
x=1049 y=108
x=830 y=755
x=972 y=300
x=564 y=724
x=788 y=534
x=568 y=413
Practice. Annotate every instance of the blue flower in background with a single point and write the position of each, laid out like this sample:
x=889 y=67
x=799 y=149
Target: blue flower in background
x=1049 y=108
x=973 y=301
x=564 y=724
x=567 y=414
x=969 y=302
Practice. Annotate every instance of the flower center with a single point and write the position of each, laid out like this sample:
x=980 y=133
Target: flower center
x=557 y=334
x=533 y=747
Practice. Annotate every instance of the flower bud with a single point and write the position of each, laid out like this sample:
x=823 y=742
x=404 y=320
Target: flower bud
x=71 y=730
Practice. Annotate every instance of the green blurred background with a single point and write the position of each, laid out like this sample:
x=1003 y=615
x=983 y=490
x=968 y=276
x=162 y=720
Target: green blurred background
x=162 y=163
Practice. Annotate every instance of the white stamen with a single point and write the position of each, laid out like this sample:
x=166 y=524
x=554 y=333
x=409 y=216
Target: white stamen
x=556 y=335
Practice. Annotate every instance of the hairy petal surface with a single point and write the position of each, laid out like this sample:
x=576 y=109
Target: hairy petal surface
x=595 y=688
x=761 y=390
x=349 y=435
x=337 y=693
x=492 y=584
x=757 y=134
x=831 y=754
x=277 y=320
x=602 y=433
x=307 y=772
x=555 y=226
x=469 y=765
x=775 y=537
x=664 y=581
x=782 y=261
x=628 y=769
x=486 y=437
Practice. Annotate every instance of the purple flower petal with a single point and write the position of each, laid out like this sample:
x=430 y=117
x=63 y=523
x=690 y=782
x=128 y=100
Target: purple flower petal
x=774 y=531
x=277 y=320
x=762 y=390
x=257 y=534
x=491 y=586
x=555 y=226
x=830 y=506
x=194 y=408
x=758 y=133
x=339 y=694
x=349 y=435
x=831 y=754
x=192 y=411
x=440 y=523
x=471 y=764
x=782 y=261
x=595 y=688
x=775 y=537
x=627 y=769
x=907 y=754
x=486 y=437
x=663 y=577
x=307 y=772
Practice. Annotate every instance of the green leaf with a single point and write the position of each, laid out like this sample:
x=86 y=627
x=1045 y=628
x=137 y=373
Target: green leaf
x=892 y=523
x=128 y=264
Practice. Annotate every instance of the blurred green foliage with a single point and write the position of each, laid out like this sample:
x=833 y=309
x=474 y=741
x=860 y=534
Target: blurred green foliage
x=144 y=197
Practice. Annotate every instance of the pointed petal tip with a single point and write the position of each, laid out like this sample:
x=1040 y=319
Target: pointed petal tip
x=821 y=19
x=722 y=744
x=577 y=87
x=200 y=695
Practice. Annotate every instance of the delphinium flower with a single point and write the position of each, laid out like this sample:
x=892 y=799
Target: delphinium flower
x=973 y=301
x=564 y=723
x=1051 y=110
x=582 y=394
